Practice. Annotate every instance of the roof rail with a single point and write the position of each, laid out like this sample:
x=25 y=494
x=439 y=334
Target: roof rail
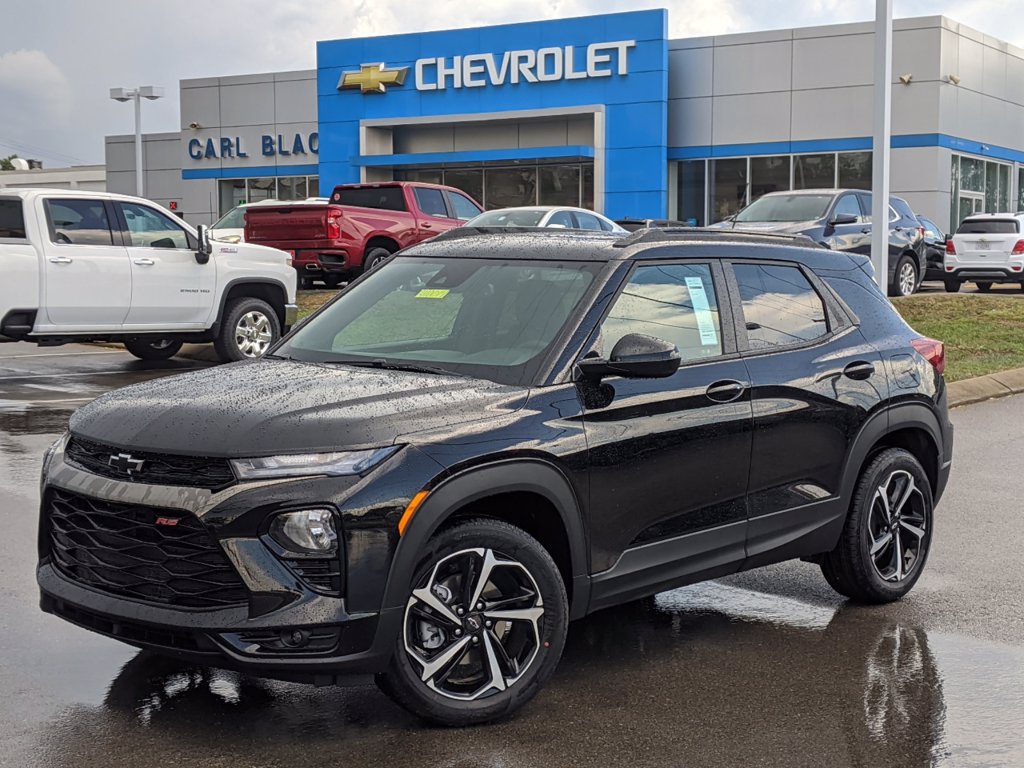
x=684 y=234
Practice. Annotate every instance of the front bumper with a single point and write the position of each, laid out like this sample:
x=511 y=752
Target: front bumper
x=287 y=629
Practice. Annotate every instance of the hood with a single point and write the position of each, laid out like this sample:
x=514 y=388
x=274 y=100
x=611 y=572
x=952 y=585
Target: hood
x=264 y=407
x=785 y=227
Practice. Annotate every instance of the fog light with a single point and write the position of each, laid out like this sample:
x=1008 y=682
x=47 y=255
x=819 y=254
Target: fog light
x=308 y=530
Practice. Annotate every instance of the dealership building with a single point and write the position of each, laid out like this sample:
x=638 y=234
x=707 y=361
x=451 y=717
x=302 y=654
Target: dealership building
x=605 y=112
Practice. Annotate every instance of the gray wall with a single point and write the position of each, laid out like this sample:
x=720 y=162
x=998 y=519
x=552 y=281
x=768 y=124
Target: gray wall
x=245 y=107
x=162 y=177
x=816 y=83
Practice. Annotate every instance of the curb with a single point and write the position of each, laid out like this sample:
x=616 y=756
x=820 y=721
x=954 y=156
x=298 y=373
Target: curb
x=980 y=388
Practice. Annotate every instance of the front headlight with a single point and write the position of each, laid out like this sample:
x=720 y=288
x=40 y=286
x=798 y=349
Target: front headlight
x=335 y=464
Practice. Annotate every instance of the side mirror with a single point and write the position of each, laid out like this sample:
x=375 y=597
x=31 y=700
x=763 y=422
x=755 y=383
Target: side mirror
x=635 y=356
x=842 y=218
x=205 y=248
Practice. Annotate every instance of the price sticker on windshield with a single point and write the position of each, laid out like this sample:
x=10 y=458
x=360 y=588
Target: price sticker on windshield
x=701 y=308
x=433 y=293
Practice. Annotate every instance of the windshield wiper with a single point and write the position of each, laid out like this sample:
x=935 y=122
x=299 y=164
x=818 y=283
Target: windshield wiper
x=396 y=365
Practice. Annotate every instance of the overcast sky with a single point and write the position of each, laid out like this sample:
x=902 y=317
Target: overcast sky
x=58 y=58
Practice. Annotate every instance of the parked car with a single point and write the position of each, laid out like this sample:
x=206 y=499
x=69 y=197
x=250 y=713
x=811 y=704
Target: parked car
x=230 y=228
x=934 y=249
x=986 y=248
x=632 y=225
x=556 y=217
x=548 y=424
x=93 y=266
x=358 y=228
x=841 y=220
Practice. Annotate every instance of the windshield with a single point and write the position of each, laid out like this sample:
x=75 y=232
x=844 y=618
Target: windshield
x=494 y=319
x=233 y=219
x=518 y=217
x=785 y=208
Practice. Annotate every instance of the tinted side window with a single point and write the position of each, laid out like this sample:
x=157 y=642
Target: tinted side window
x=12 y=220
x=464 y=208
x=431 y=202
x=847 y=205
x=151 y=229
x=779 y=306
x=561 y=219
x=387 y=198
x=586 y=221
x=674 y=302
x=78 y=222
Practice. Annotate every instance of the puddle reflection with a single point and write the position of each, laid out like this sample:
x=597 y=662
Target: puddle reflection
x=707 y=675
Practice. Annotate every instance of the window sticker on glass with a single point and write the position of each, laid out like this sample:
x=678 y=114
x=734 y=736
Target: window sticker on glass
x=701 y=308
x=433 y=293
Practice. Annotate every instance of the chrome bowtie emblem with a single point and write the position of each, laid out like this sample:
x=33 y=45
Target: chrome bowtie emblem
x=125 y=463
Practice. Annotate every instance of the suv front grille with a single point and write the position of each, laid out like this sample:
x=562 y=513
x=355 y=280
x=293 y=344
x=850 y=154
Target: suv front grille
x=157 y=469
x=120 y=548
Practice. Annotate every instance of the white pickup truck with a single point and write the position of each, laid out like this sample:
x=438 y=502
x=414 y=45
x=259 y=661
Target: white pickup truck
x=93 y=266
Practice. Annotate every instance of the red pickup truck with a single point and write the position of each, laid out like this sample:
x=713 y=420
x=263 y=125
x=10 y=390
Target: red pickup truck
x=359 y=226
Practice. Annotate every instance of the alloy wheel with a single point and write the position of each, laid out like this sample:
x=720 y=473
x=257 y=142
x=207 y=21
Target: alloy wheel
x=907 y=279
x=897 y=527
x=253 y=334
x=472 y=626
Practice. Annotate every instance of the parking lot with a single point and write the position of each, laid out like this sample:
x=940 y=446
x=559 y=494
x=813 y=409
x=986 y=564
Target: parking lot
x=765 y=668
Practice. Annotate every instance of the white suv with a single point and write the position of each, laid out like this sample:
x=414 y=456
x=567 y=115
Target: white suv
x=94 y=266
x=986 y=248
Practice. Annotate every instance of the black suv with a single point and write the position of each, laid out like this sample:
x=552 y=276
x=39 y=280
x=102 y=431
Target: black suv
x=840 y=219
x=491 y=435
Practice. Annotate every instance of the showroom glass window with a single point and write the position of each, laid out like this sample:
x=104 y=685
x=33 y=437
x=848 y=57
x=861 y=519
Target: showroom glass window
x=855 y=170
x=559 y=185
x=691 y=192
x=469 y=180
x=292 y=188
x=78 y=222
x=728 y=187
x=814 y=171
x=780 y=306
x=674 y=302
x=768 y=174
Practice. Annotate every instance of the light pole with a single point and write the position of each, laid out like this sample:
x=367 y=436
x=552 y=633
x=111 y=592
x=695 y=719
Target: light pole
x=882 y=136
x=151 y=92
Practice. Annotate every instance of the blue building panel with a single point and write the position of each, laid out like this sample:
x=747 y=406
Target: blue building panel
x=616 y=63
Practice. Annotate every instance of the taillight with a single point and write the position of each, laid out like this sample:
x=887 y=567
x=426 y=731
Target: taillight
x=1018 y=249
x=931 y=350
x=950 y=248
x=333 y=228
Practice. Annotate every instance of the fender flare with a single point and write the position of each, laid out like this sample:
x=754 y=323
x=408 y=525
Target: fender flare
x=529 y=475
x=880 y=424
x=222 y=302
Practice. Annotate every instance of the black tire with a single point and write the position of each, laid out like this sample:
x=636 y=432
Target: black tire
x=375 y=257
x=541 y=643
x=234 y=343
x=952 y=286
x=332 y=281
x=901 y=286
x=150 y=349
x=305 y=282
x=850 y=569
x=984 y=287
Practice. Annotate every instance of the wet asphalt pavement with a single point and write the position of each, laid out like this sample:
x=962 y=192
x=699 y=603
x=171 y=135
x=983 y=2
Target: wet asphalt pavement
x=766 y=668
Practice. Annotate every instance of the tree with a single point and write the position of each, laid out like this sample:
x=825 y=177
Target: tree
x=5 y=163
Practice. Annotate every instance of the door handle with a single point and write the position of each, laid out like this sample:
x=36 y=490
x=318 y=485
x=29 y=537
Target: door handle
x=145 y=262
x=61 y=260
x=859 y=370
x=866 y=231
x=725 y=391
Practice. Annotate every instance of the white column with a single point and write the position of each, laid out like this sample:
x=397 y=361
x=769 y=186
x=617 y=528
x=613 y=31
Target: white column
x=882 y=137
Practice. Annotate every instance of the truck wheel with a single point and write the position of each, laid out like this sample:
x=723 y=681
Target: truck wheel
x=147 y=349
x=305 y=283
x=250 y=326
x=484 y=625
x=885 y=541
x=332 y=281
x=375 y=257
x=951 y=286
